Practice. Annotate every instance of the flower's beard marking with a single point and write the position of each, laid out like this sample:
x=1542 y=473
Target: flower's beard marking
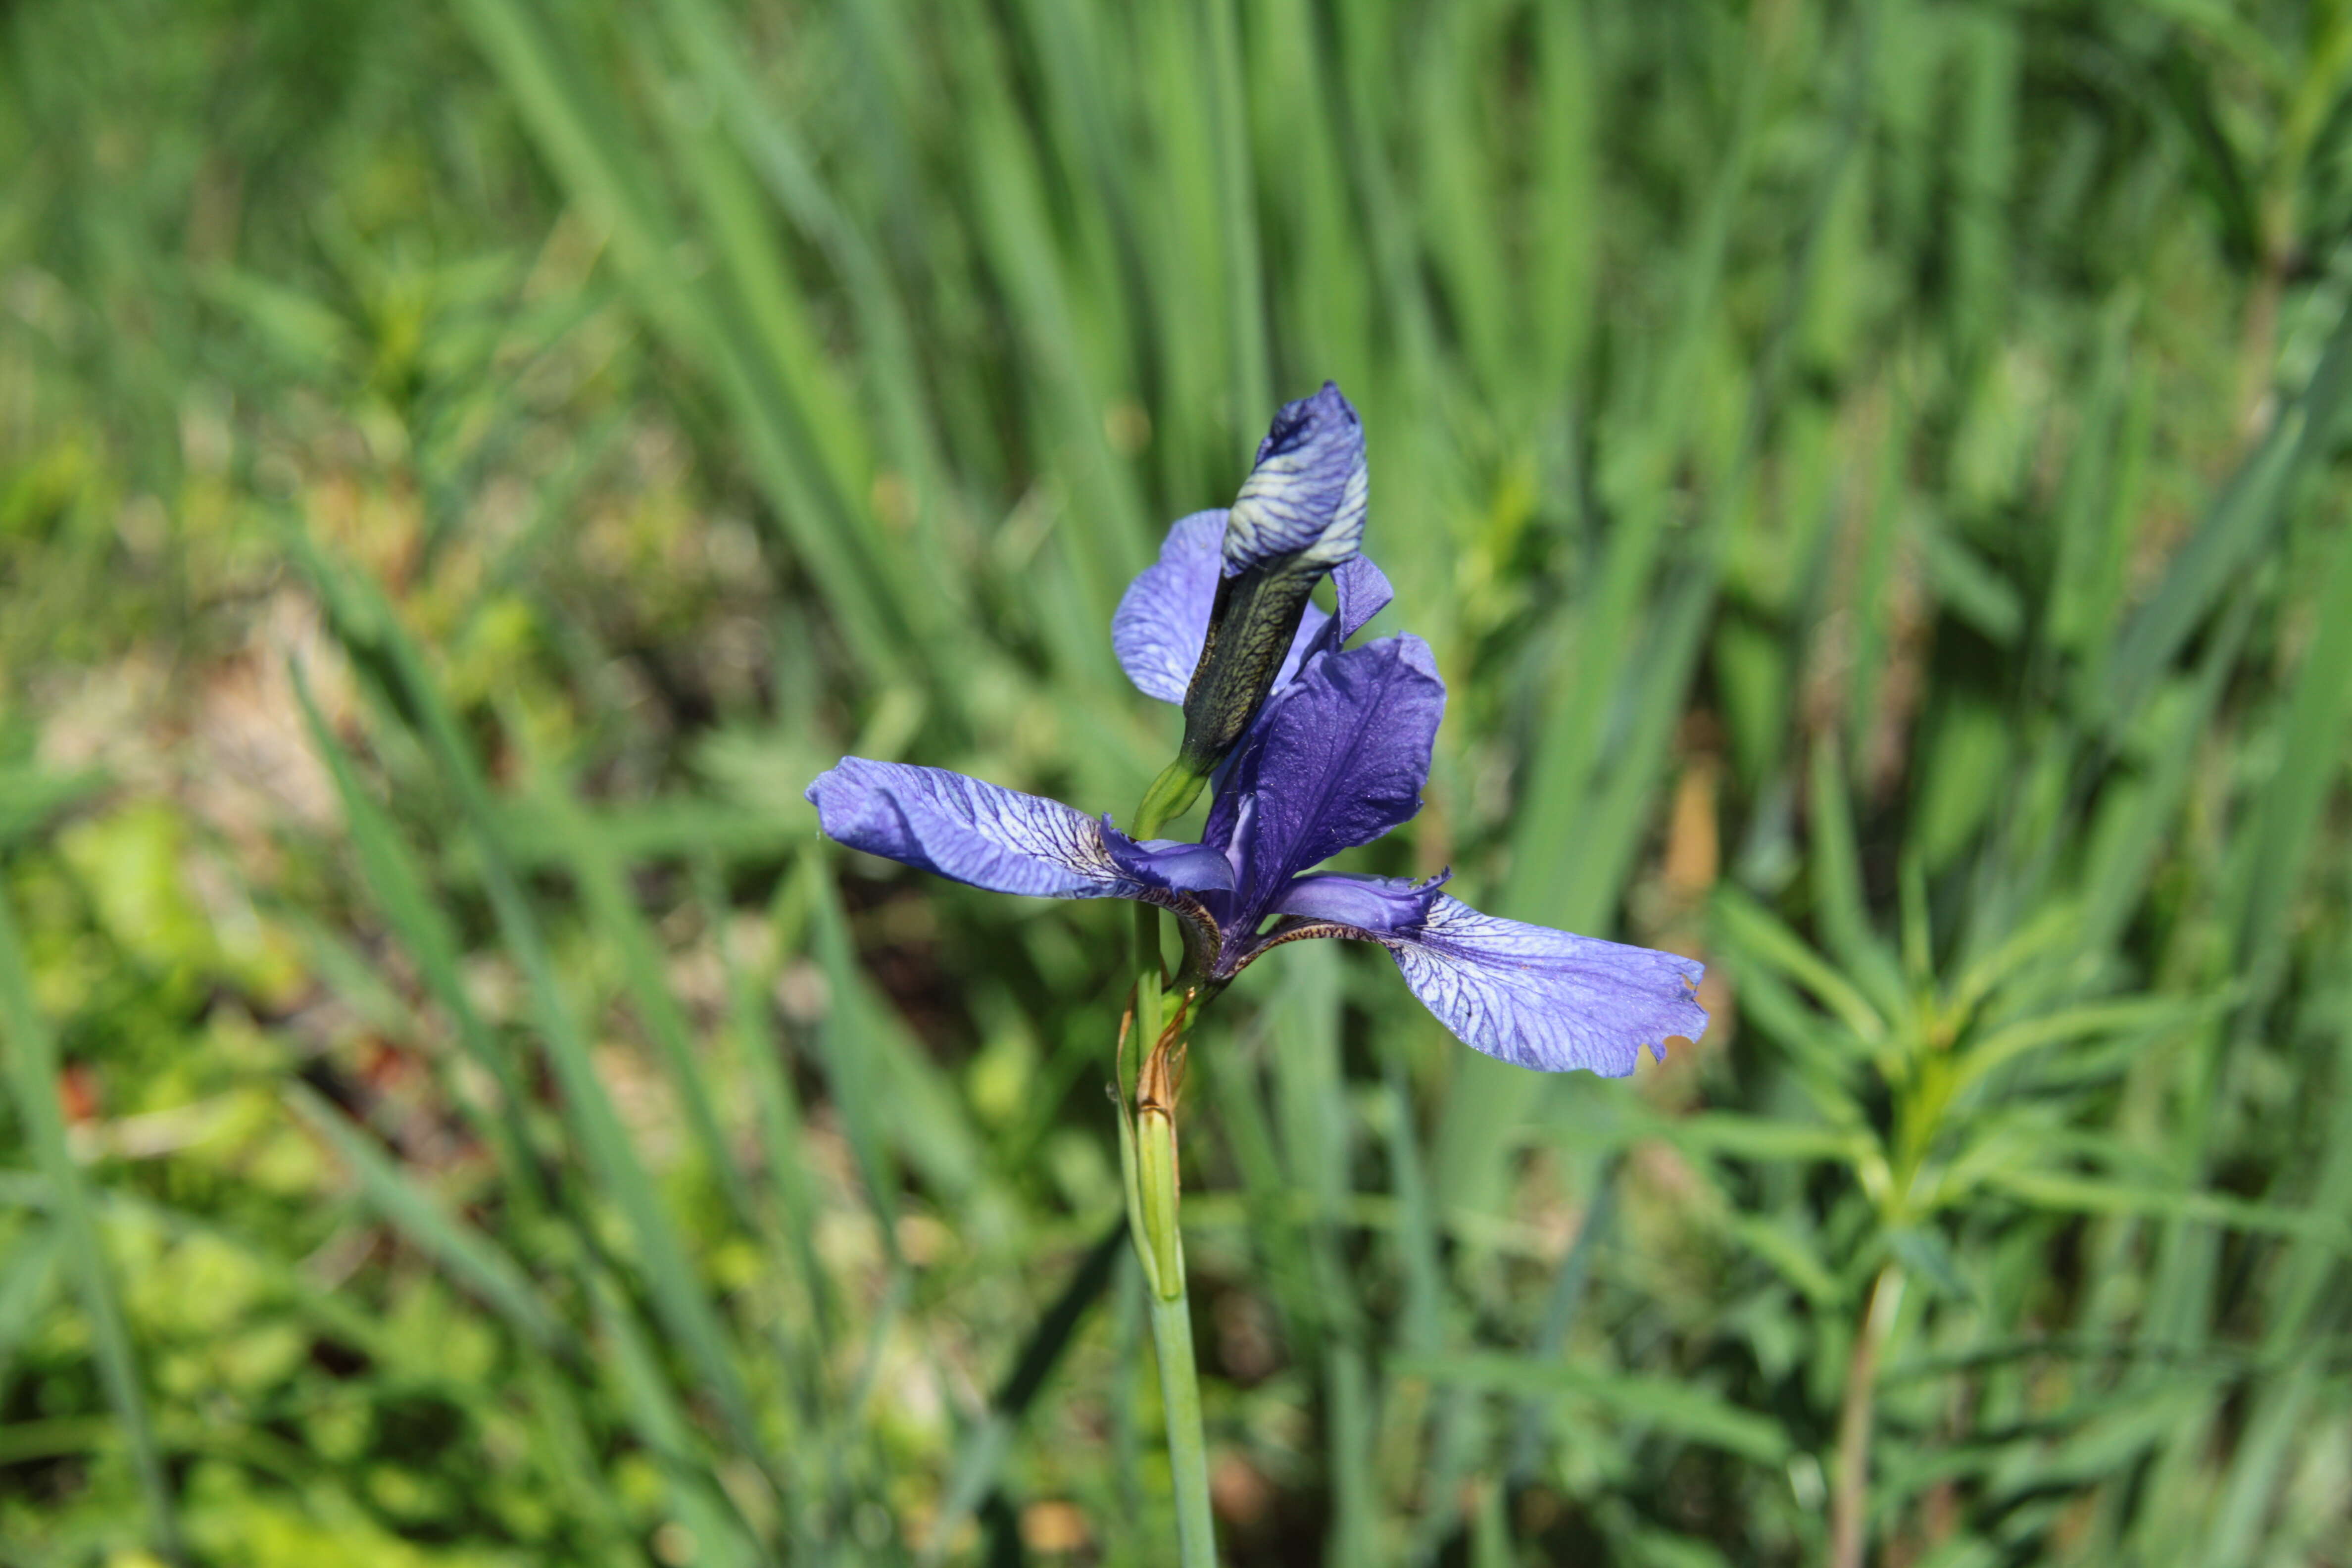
x=1238 y=956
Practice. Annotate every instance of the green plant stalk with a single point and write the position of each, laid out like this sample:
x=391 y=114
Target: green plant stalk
x=1170 y=796
x=1188 y=1450
x=1147 y=1151
x=1160 y=1247
x=1850 y=1493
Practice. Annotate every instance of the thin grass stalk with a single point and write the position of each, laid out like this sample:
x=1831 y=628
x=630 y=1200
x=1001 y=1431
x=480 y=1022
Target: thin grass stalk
x=366 y=623
x=1850 y=1499
x=32 y=1053
x=399 y=886
x=979 y=1456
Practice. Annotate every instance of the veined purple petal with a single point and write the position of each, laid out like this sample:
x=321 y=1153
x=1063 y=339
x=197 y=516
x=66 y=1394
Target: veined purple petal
x=1163 y=618
x=1375 y=904
x=1305 y=500
x=1168 y=863
x=1337 y=759
x=969 y=831
x=1364 y=592
x=1546 y=999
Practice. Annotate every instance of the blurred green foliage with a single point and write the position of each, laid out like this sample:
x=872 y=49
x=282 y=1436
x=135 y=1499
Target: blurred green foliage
x=1873 y=474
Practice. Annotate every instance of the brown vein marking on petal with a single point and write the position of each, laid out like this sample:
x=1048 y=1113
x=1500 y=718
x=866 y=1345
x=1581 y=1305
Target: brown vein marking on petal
x=1195 y=915
x=1292 y=928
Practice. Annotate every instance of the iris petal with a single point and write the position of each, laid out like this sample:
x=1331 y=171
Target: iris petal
x=1364 y=592
x=1336 y=760
x=1170 y=863
x=969 y=831
x=1546 y=999
x=1378 y=905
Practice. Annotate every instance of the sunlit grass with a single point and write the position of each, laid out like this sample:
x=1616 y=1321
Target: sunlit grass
x=1873 y=478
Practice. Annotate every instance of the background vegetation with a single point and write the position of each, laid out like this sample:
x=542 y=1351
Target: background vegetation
x=1873 y=474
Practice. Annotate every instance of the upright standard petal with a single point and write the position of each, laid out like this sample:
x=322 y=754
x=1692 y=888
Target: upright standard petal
x=972 y=832
x=1338 y=759
x=1543 y=998
x=1305 y=500
x=1163 y=618
x=1364 y=592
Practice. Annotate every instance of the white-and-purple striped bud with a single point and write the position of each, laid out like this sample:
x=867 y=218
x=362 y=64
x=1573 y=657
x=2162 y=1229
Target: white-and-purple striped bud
x=1300 y=514
x=1303 y=504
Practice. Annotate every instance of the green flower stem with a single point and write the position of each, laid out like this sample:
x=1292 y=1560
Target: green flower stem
x=1188 y=1451
x=1160 y=1247
x=1147 y=1149
x=1146 y=1027
x=1170 y=795
x=1850 y=1495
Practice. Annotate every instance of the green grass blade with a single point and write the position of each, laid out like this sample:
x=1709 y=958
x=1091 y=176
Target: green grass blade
x=981 y=1454
x=1237 y=224
x=1560 y=1309
x=1277 y=1239
x=472 y=1258
x=659 y=1240
x=613 y=911
x=604 y=168
x=2243 y=520
x=1754 y=934
x=33 y=1075
x=400 y=889
x=895 y=1102
x=697 y=1498
x=776 y=1109
x=2285 y=818
x=26 y=1281
x=1659 y=1404
x=1569 y=746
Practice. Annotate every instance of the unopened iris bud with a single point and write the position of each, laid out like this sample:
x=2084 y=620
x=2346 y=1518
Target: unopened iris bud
x=1300 y=513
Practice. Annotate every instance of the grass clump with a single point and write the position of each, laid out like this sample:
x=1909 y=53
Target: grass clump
x=1874 y=474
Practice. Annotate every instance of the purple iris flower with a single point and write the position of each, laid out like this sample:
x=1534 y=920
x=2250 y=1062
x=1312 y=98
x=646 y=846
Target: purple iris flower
x=1334 y=758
